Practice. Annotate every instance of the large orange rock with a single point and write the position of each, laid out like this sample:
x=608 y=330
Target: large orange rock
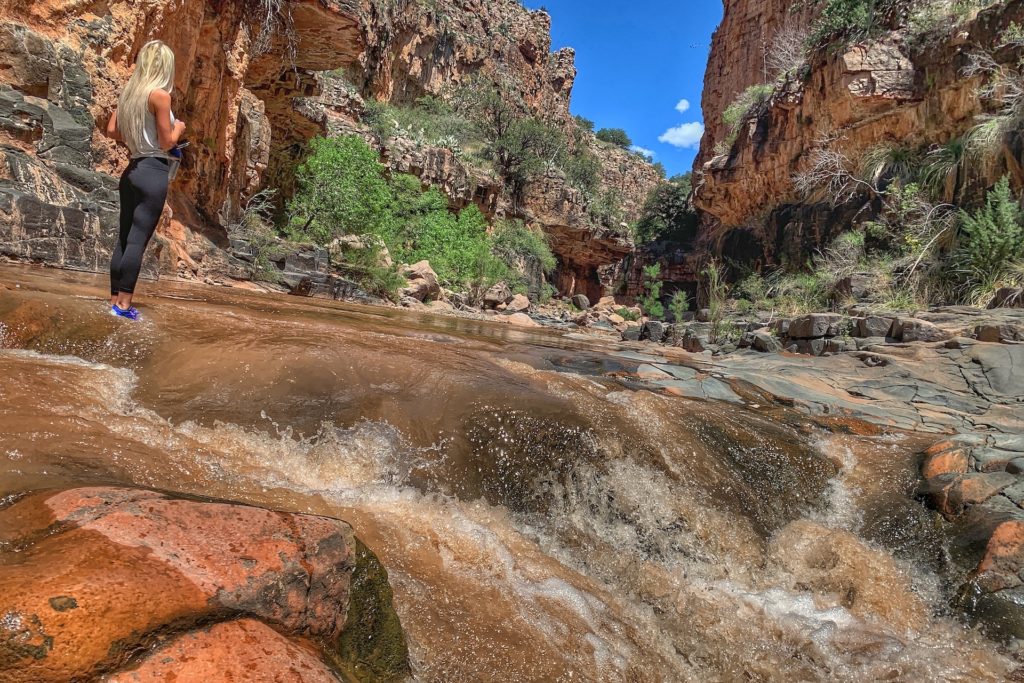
x=1004 y=558
x=243 y=650
x=954 y=461
x=102 y=573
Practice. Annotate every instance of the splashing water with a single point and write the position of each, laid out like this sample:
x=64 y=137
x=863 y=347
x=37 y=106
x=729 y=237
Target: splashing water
x=537 y=524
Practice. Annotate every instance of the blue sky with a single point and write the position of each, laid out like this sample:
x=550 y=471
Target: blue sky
x=636 y=63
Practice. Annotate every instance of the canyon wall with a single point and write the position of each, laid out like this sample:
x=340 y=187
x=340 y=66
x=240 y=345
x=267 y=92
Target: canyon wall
x=251 y=88
x=892 y=90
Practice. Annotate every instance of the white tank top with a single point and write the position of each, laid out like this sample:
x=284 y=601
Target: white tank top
x=149 y=145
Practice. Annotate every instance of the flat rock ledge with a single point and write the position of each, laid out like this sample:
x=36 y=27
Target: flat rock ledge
x=134 y=585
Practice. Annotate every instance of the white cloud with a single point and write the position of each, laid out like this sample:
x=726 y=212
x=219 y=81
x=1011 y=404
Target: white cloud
x=649 y=153
x=685 y=136
x=683 y=106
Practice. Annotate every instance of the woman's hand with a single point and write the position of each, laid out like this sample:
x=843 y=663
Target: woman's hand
x=179 y=130
x=112 y=132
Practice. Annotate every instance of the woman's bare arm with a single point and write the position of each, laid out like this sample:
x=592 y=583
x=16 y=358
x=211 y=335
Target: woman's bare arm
x=160 y=105
x=112 y=132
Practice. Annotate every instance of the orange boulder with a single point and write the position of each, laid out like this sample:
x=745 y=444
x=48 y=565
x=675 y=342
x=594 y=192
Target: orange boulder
x=243 y=650
x=1004 y=558
x=102 y=573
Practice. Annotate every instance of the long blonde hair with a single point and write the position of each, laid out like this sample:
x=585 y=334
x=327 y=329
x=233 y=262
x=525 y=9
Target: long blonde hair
x=154 y=69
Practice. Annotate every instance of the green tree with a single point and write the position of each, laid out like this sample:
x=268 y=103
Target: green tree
x=991 y=239
x=650 y=301
x=514 y=242
x=615 y=136
x=678 y=305
x=585 y=123
x=667 y=213
x=524 y=150
x=341 y=190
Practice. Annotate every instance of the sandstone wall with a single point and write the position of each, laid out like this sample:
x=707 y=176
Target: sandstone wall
x=251 y=100
x=874 y=93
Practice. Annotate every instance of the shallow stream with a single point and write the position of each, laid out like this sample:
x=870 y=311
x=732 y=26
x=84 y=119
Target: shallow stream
x=544 y=515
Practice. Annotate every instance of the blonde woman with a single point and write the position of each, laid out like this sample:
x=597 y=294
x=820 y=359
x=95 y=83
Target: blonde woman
x=143 y=121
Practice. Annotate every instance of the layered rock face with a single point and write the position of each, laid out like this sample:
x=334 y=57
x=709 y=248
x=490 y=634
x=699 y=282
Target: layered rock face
x=250 y=86
x=880 y=92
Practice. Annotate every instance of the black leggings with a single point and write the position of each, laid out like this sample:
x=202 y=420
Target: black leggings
x=143 y=193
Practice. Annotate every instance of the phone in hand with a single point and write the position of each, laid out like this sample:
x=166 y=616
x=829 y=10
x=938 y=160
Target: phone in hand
x=176 y=151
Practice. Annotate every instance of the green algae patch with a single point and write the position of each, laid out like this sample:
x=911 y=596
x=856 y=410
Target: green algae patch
x=372 y=647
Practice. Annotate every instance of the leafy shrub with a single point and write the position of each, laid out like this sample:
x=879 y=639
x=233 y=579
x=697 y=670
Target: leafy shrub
x=606 y=208
x=341 y=190
x=667 y=213
x=747 y=104
x=458 y=248
x=429 y=121
x=716 y=291
x=627 y=314
x=991 y=242
x=650 y=300
x=514 y=242
x=582 y=169
x=615 y=136
x=850 y=20
x=584 y=123
x=527 y=147
x=678 y=305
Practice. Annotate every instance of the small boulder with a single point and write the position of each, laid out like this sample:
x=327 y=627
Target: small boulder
x=103 y=569
x=816 y=325
x=765 y=342
x=631 y=334
x=518 y=304
x=581 y=302
x=441 y=306
x=422 y=281
x=917 y=330
x=243 y=650
x=615 y=319
x=1003 y=561
x=873 y=326
x=497 y=295
x=952 y=461
x=653 y=330
x=520 y=320
x=1000 y=334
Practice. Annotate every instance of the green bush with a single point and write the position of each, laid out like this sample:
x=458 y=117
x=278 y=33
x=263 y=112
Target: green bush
x=428 y=121
x=525 y=149
x=340 y=190
x=514 y=242
x=678 y=305
x=627 y=314
x=584 y=123
x=650 y=300
x=716 y=291
x=667 y=213
x=615 y=136
x=747 y=104
x=582 y=169
x=851 y=20
x=606 y=209
x=991 y=242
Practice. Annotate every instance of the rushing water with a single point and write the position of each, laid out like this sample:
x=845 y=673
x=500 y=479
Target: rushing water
x=543 y=515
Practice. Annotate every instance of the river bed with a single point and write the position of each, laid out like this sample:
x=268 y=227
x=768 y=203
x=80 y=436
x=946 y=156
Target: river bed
x=544 y=515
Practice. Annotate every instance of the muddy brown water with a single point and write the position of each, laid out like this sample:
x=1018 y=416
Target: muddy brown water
x=543 y=517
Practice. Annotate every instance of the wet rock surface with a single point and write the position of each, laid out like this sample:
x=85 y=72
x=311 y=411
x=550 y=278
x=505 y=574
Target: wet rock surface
x=99 y=578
